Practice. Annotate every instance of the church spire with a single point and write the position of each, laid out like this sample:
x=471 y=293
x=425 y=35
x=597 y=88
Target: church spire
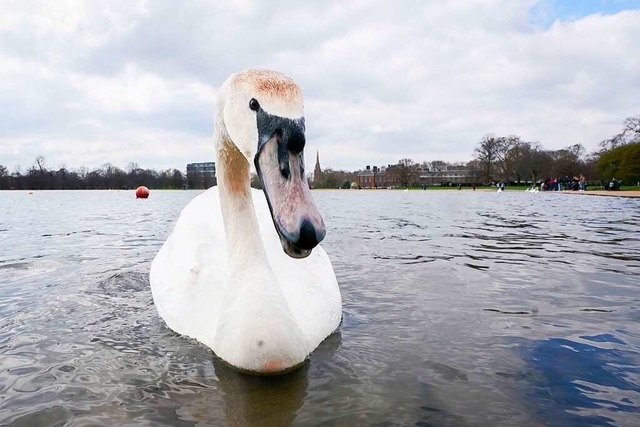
x=317 y=172
x=317 y=169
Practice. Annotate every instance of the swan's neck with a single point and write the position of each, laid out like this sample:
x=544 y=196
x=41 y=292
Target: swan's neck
x=256 y=328
x=244 y=245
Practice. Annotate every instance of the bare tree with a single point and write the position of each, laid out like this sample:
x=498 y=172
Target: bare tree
x=4 y=178
x=629 y=135
x=406 y=171
x=41 y=163
x=436 y=165
x=532 y=161
x=507 y=155
x=132 y=166
x=36 y=175
x=632 y=129
x=568 y=161
x=487 y=156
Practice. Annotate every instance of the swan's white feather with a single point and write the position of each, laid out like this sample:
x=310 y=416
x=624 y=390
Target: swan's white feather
x=188 y=278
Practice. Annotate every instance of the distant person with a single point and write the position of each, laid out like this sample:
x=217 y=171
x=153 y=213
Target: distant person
x=614 y=184
x=474 y=187
x=582 y=183
x=575 y=184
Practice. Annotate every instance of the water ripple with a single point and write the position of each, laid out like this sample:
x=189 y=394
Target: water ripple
x=460 y=308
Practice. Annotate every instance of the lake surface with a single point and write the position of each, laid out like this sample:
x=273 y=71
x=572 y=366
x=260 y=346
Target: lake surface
x=460 y=309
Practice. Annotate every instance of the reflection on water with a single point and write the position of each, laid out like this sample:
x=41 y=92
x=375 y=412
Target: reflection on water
x=460 y=308
x=596 y=376
x=261 y=400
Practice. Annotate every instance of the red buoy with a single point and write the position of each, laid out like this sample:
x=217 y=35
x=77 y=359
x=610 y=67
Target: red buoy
x=142 y=192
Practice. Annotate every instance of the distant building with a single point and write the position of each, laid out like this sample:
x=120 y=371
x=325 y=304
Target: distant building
x=396 y=176
x=449 y=176
x=373 y=178
x=201 y=175
x=393 y=177
x=367 y=178
x=383 y=177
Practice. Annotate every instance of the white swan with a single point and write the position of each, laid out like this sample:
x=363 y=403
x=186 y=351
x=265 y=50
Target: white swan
x=238 y=273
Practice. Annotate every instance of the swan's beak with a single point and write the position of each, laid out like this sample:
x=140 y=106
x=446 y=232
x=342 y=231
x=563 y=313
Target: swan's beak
x=280 y=165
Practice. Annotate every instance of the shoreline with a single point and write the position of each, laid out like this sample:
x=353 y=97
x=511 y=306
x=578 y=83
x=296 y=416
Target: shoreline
x=602 y=193
x=605 y=193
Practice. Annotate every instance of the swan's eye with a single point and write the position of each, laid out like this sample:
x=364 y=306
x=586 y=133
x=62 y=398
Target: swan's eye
x=253 y=104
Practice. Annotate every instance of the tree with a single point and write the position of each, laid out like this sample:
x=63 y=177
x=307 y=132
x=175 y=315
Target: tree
x=41 y=163
x=516 y=157
x=177 y=180
x=18 y=180
x=622 y=162
x=507 y=153
x=132 y=166
x=4 y=178
x=568 y=161
x=435 y=165
x=334 y=178
x=406 y=172
x=487 y=155
x=37 y=174
x=630 y=134
x=629 y=171
x=533 y=162
x=632 y=129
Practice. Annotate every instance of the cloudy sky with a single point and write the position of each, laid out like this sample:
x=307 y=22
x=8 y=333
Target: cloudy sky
x=94 y=82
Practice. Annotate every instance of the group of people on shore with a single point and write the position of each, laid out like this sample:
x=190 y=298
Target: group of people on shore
x=577 y=183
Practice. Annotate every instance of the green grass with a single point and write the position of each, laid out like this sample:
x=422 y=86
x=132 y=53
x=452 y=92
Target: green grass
x=622 y=188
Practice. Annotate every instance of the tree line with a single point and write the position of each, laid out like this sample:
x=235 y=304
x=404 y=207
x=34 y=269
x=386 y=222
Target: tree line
x=619 y=156
x=108 y=176
x=510 y=159
x=330 y=178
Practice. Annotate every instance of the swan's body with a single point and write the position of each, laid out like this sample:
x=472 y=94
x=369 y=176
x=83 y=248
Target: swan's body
x=240 y=272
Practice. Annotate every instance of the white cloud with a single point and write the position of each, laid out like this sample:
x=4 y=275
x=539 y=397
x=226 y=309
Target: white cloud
x=119 y=81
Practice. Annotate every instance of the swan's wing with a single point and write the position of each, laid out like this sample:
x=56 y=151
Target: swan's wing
x=187 y=275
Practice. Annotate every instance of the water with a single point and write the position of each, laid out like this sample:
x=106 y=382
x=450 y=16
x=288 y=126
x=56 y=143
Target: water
x=460 y=309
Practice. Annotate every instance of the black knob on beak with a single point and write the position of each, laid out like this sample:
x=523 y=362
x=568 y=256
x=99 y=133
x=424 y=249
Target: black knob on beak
x=309 y=236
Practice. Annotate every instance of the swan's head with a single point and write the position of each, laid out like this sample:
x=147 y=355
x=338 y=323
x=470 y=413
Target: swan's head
x=263 y=117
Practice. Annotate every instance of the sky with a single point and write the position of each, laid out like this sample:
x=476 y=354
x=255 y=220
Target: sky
x=84 y=83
